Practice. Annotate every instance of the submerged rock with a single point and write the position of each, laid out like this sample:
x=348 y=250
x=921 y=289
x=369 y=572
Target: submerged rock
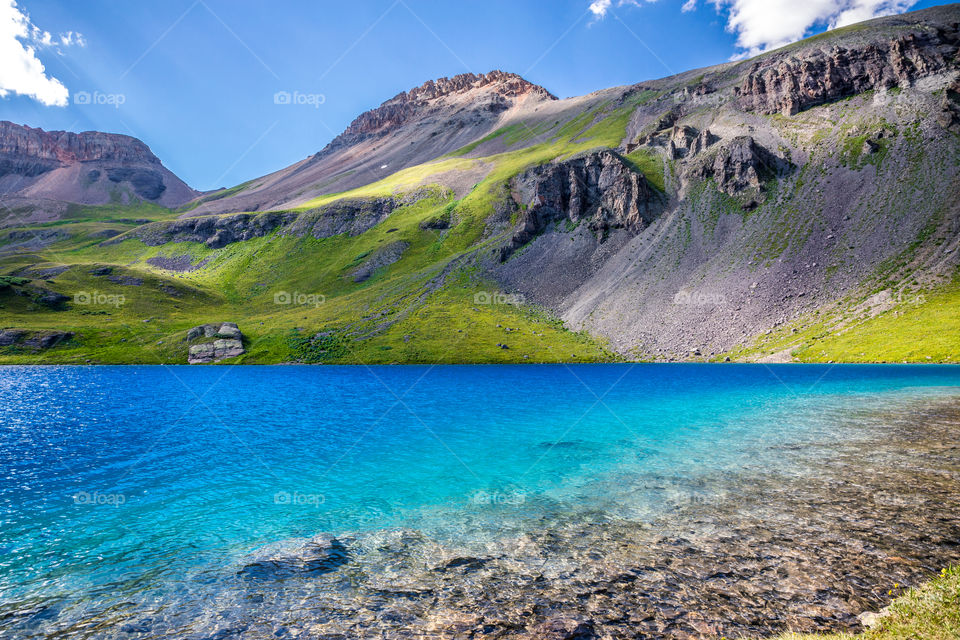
x=316 y=556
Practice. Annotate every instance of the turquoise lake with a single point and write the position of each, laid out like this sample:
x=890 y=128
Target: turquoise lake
x=131 y=497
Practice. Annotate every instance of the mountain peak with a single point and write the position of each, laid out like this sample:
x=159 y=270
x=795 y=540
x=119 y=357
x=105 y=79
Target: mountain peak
x=503 y=83
x=486 y=93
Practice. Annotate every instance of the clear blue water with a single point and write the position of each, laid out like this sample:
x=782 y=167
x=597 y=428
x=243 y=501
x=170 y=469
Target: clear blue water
x=135 y=483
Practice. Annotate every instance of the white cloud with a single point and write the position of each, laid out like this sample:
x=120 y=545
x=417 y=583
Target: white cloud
x=22 y=72
x=71 y=38
x=762 y=25
x=688 y=6
x=599 y=8
x=861 y=10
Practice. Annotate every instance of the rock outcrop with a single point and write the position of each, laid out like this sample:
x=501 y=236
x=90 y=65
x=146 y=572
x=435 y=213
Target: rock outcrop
x=685 y=141
x=351 y=216
x=949 y=116
x=739 y=165
x=220 y=340
x=598 y=188
x=788 y=83
x=58 y=148
x=383 y=257
x=214 y=231
x=34 y=340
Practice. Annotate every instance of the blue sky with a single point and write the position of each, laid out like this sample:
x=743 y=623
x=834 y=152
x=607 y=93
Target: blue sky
x=196 y=79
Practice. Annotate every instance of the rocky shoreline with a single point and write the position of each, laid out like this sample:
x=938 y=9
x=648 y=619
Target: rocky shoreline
x=743 y=555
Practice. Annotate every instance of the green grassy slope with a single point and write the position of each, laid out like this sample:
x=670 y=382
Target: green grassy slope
x=919 y=327
x=421 y=308
x=419 y=305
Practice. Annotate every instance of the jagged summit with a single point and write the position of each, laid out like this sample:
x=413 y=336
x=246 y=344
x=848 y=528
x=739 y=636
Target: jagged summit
x=415 y=126
x=492 y=92
x=504 y=83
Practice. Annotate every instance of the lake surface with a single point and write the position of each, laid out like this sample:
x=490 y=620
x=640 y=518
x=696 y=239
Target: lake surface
x=256 y=502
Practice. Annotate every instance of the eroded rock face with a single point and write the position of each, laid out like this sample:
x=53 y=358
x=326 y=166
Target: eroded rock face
x=91 y=167
x=597 y=188
x=214 y=231
x=687 y=142
x=223 y=340
x=739 y=165
x=63 y=147
x=352 y=217
x=949 y=117
x=790 y=83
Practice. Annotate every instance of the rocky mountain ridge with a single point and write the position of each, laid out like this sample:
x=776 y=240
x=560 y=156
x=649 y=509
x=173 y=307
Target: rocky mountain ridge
x=789 y=83
x=67 y=147
x=415 y=126
x=47 y=167
x=498 y=86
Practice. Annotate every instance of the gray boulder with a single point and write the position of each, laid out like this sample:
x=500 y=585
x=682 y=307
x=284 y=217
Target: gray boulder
x=227 y=342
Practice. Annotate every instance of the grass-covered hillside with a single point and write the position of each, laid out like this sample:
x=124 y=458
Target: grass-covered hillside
x=712 y=215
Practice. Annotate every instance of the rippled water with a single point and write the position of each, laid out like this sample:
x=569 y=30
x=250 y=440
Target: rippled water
x=175 y=502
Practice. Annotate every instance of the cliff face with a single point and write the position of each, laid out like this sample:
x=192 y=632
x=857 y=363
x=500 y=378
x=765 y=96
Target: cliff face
x=86 y=168
x=769 y=225
x=598 y=188
x=65 y=147
x=789 y=83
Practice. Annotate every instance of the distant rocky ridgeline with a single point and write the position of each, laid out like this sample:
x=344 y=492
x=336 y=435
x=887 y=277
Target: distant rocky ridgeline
x=57 y=148
x=85 y=168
